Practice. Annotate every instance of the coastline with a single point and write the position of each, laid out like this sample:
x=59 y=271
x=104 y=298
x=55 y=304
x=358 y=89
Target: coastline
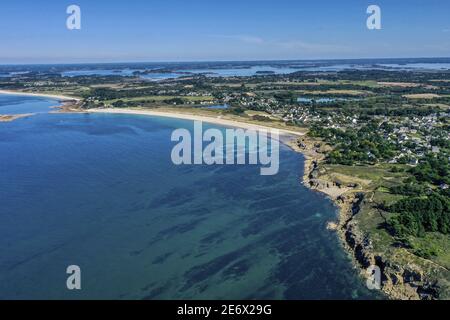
x=215 y=120
x=61 y=98
x=399 y=281
x=66 y=103
x=345 y=198
x=312 y=157
x=342 y=197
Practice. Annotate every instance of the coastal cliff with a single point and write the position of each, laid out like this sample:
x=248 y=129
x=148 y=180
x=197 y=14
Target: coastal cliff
x=402 y=277
x=399 y=281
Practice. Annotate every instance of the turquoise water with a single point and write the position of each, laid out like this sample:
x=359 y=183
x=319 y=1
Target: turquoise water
x=100 y=191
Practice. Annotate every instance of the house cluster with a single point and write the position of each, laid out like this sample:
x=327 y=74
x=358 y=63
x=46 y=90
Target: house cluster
x=415 y=137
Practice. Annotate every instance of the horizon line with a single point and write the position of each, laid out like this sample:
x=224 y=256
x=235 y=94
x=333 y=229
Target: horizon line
x=216 y=61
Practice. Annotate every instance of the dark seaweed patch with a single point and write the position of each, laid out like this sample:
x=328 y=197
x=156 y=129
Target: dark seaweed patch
x=179 y=229
x=203 y=272
x=213 y=238
x=175 y=197
x=162 y=258
x=154 y=293
x=237 y=269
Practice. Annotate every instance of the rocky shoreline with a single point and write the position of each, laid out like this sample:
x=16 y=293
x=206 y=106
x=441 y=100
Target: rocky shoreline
x=398 y=282
x=402 y=282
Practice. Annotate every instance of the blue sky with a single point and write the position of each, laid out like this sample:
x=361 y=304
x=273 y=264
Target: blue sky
x=196 y=30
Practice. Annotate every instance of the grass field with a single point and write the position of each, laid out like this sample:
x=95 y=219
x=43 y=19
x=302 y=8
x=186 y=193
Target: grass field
x=431 y=253
x=422 y=96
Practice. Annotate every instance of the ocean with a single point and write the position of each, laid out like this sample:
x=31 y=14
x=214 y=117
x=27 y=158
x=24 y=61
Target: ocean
x=100 y=191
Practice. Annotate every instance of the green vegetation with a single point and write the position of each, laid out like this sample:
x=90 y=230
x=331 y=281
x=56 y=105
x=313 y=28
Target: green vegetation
x=363 y=146
x=418 y=215
x=426 y=207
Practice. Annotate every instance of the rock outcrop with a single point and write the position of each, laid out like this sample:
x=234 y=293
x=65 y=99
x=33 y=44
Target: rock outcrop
x=406 y=282
x=403 y=282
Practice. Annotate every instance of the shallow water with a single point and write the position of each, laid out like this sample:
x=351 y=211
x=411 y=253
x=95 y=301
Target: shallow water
x=100 y=191
x=19 y=104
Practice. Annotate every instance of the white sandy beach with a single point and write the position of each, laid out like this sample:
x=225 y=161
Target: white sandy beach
x=51 y=96
x=216 y=120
